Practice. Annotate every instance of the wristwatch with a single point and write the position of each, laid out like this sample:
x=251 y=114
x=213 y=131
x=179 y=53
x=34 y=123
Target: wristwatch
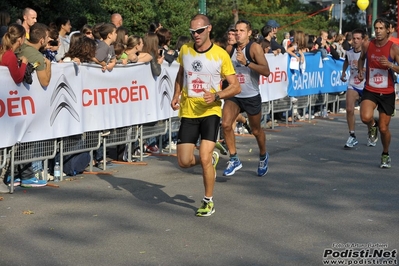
x=217 y=97
x=247 y=63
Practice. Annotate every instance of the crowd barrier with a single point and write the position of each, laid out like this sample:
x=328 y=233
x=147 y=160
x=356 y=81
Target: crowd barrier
x=81 y=102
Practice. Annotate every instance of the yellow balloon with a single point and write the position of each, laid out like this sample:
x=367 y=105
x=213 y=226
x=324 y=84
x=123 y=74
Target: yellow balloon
x=362 y=4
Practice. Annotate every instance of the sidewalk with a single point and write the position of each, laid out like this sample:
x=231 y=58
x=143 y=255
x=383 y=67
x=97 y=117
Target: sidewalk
x=315 y=194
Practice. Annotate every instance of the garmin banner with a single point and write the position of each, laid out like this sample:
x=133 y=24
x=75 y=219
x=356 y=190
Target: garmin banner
x=319 y=76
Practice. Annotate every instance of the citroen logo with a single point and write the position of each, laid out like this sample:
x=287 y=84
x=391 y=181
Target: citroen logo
x=63 y=97
x=165 y=89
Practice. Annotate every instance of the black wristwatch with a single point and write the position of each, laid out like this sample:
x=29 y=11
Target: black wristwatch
x=248 y=62
x=217 y=97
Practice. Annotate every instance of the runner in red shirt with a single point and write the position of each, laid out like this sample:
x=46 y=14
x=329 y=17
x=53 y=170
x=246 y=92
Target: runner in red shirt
x=382 y=58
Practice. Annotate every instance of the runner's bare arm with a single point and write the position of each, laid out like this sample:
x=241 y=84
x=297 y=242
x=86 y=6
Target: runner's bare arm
x=178 y=86
x=260 y=65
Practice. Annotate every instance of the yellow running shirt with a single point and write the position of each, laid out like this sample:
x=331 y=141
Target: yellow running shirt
x=202 y=70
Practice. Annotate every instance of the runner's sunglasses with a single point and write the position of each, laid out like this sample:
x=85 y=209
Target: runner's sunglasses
x=199 y=30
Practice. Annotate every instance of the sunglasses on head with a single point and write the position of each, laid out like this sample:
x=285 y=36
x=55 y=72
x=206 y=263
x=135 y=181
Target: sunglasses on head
x=199 y=30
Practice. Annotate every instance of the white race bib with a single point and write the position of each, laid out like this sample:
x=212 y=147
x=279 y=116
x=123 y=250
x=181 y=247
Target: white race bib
x=378 y=78
x=196 y=83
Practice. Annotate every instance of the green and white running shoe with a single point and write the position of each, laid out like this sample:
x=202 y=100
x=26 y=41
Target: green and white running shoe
x=206 y=209
x=385 y=161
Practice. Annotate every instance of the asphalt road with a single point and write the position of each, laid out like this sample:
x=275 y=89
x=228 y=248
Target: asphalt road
x=316 y=198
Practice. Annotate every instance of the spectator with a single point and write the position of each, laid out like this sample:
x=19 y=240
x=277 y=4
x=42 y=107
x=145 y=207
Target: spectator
x=105 y=53
x=122 y=34
x=117 y=20
x=151 y=46
x=84 y=51
x=4 y=21
x=87 y=30
x=30 y=18
x=121 y=56
x=50 y=51
x=347 y=44
x=30 y=49
x=267 y=32
x=338 y=45
x=180 y=41
x=154 y=27
x=164 y=37
x=286 y=42
x=63 y=25
x=134 y=48
x=11 y=41
x=274 y=44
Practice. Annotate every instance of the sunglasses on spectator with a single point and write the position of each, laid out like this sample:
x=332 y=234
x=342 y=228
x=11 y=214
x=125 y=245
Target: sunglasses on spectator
x=199 y=30
x=88 y=32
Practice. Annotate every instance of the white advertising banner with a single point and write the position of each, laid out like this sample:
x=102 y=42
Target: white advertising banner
x=275 y=85
x=81 y=99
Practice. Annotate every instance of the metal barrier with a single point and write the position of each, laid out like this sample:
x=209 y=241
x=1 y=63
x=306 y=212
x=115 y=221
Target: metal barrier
x=174 y=125
x=332 y=98
x=301 y=102
x=119 y=136
x=340 y=97
x=147 y=131
x=3 y=158
x=281 y=105
x=317 y=100
x=31 y=152
x=88 y=141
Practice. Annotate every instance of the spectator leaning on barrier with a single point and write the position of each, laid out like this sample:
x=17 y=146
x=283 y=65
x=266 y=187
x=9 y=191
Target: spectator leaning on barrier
x=83 y=52
x=151 y=46
x=105 y=54
x=31 y=50
x=30 y=18
x=275 y=45
x=382 y=58
x=355 y=86
x=197 y=95
x=11 y=41
x=51 y=49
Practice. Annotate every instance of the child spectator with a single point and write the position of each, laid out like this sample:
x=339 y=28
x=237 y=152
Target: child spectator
x=105 y=53
x=121 y=56
x=11 y=41
x=81 y=50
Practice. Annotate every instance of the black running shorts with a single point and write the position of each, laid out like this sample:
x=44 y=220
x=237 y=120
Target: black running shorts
x=251 y=105
x=192 y=128
x=385 y=102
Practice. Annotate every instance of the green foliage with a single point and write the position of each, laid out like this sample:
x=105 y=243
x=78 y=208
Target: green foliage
x=175 y=15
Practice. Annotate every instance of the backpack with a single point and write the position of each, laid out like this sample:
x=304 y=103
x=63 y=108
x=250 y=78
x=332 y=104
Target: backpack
x=247 y=55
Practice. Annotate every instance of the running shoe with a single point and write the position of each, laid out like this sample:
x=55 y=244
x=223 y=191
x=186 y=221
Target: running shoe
x=385 y=161
x=263 y=166
x=33 y=182
x=221 y=148
x=373 y=136
x=215 y=160
x=351 y=142
x=232 y=166
x=206 y=209
x=247 y=127
x=17 y=181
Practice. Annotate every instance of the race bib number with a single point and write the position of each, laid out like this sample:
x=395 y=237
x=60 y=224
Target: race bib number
x=242 y=78
x=197 y=83
x=378 y=78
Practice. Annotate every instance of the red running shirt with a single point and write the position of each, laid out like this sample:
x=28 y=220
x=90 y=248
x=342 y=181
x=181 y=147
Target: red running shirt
x=379 y=79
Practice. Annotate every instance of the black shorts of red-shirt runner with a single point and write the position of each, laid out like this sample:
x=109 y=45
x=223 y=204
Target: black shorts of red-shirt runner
x=385 y=102
x=250 y=105
x=192 y=128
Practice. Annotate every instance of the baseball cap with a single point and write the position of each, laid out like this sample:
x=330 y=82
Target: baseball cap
x=272 y=23
x=232 y=27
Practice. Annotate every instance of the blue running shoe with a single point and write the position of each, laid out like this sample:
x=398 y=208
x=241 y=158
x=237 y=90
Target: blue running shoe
x=33 y=182
x=17 y=181
x=263 y=166
x=232 y=167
